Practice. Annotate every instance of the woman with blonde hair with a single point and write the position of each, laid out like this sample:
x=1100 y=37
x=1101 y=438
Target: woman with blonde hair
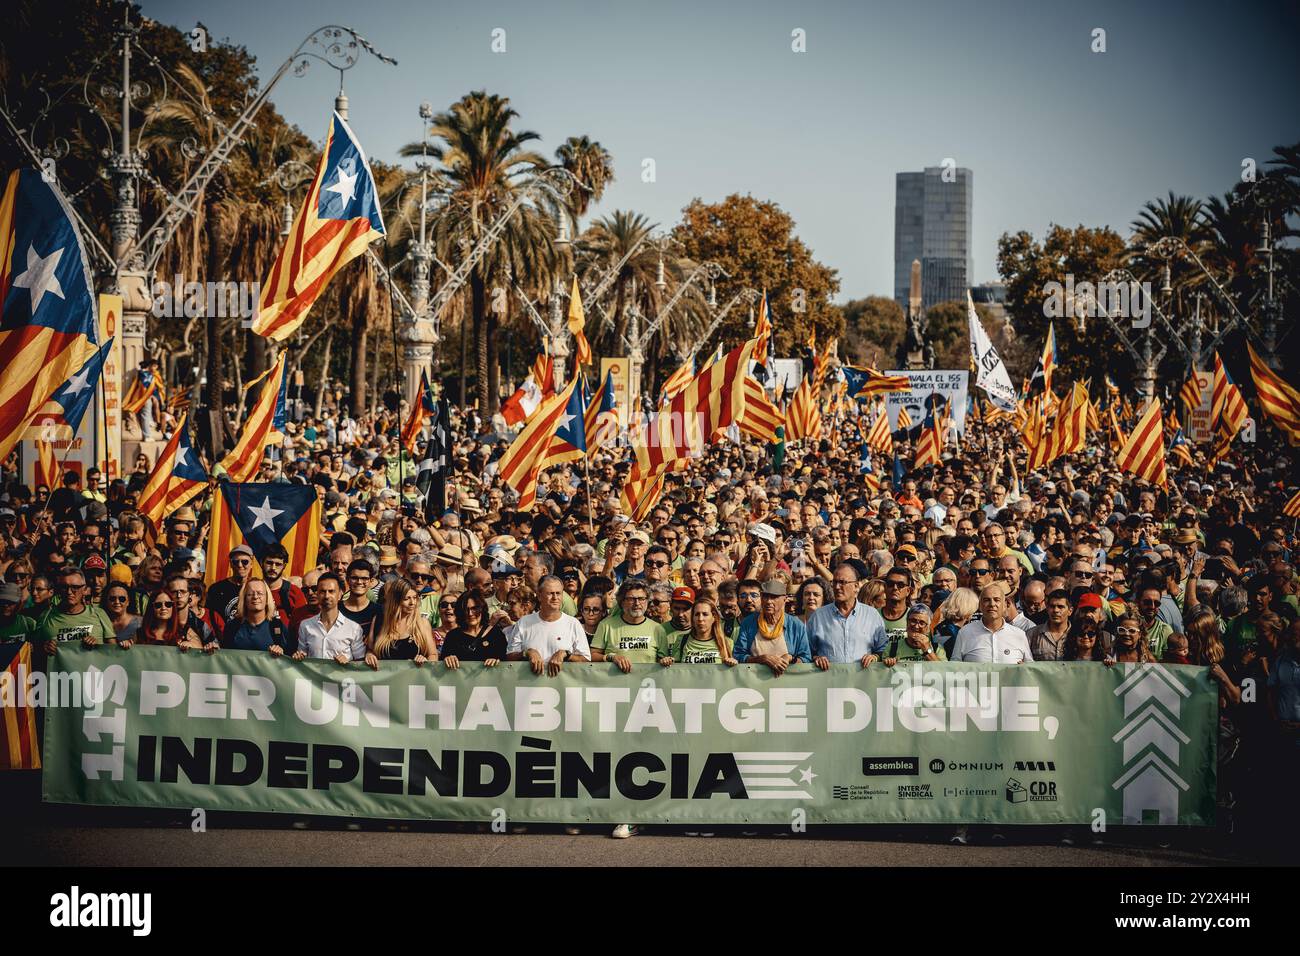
x=953 y=614
x=707 y=642
x=148 y=579
x=873 y=593
x=403 y=633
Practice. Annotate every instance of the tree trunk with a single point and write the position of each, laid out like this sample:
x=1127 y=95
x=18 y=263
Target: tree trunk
x=324 y=373
x=360 y=354
x=494 y=364
x=464 y=355
x=620 y=319
x=255 y=349
x=478 y=291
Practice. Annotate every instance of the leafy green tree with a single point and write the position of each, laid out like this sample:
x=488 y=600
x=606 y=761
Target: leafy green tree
x=754 y=241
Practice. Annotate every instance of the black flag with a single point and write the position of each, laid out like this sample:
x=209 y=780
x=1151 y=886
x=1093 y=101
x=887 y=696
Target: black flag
x=431 y=476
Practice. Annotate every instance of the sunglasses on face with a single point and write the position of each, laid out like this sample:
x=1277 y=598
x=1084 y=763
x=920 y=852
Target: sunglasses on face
x=163 y=605
x=241 y=562
x=421 y=578
x=116 y=598
x=980 y=572
x=1126 y=631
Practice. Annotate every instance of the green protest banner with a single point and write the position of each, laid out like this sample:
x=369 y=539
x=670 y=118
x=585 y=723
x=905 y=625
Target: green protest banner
x=926 y=743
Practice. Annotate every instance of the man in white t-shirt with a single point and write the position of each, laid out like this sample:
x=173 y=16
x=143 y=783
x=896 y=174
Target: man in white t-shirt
x=991 y=640
x=548 y=637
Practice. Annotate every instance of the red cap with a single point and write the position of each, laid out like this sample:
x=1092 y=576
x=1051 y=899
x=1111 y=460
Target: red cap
x=1090 y=599
x=684 y=594
x=95 y=563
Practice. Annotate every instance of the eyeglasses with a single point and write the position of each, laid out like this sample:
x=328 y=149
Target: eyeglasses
x=896 y=584
x=633 y=599
x=72 y=587
x=241 y=562
x=22 y=577
x=163 y=605
x=657 y=564
x=904 y=558
x=843 y=584
x=116 y=599
x=980 y=572
x=1127 y=631
x=421 y=578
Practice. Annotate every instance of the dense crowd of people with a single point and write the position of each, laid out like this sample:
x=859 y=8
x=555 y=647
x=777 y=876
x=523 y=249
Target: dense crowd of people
x=740 y=563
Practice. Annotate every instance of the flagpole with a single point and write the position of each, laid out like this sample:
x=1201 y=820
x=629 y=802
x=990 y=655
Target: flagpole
x=392 y=326
x=586 y=467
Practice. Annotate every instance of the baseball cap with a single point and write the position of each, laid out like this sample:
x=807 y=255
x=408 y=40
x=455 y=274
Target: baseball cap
x=94 y=563
x=241 y=549
x=10 y=593
x=638 y=536
x=684 y=594
x=1090 y=599
x=764 y=532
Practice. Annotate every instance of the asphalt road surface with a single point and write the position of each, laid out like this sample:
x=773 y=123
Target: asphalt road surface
x=35 y=834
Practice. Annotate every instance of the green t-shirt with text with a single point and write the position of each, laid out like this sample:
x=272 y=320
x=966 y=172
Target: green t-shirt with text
x=698 y=652
x=18 y=630
x=643 y=643
x=61 y=626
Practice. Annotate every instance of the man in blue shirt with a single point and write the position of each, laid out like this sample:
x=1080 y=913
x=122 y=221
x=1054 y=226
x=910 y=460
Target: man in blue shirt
x=846 y=630
x=772 y=636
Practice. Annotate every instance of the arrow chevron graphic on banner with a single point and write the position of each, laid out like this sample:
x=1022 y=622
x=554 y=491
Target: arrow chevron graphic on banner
x=1152 y=696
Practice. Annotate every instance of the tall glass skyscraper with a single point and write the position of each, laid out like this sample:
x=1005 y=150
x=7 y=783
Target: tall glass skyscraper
x=932 y=222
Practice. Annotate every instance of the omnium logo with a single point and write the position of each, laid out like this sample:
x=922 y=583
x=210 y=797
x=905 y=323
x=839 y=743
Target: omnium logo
x=772 y=776
x=939 y=765
x=75 y=908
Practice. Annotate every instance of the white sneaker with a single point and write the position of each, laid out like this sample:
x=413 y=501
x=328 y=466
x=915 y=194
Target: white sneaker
x=573 y=831
x=958 y=836
x=623 y=831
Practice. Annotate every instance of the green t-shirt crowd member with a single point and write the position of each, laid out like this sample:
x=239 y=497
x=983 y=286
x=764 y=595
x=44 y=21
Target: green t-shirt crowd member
x=692 y=651
x=60 y=626
x=643 y=643
x=20 y=629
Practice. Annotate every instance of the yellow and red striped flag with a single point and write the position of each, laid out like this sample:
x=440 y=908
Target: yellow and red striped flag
x=422 y=409
x=1191 y=393
x=1280 y=401
x=879 y=438
x=677 y=381
x=1117 y=436
x=1292 y=508
x=578 y=327
x=640 y=495
x=868 y=382
x=524 y=459
x=1228 y=408
x=803 y=418
x=1069 y=430
x=177 y=477
x=762 y=331
x=929 y=443
x=714 y=399
x=260 y=514
x=264 y=426
x=339 y=218
x=138 y=394
x=1144 y=452
x=761 y=418
x=19 y=746
x=45 y=470
x=600 y=421
x=904 y=419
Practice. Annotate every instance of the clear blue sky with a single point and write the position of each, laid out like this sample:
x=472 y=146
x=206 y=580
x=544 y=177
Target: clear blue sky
x=712 y=92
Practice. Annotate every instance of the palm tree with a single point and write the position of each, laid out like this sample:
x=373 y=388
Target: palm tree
x=486 y=164
x=608 y=240
x=593 y=167
x=1179 y=217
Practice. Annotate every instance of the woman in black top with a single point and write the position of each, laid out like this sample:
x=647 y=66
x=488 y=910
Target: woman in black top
x=402 y=633
x=474 y=639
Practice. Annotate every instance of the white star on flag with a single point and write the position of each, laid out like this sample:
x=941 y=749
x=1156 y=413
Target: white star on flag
x=265 y=515
x=565 y=419
x=181 y=454
x=39 y=277
x=806 y=775
x=346 y=186
x=78 y=382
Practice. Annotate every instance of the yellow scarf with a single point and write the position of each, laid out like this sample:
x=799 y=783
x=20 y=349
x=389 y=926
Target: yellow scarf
x=773 y=631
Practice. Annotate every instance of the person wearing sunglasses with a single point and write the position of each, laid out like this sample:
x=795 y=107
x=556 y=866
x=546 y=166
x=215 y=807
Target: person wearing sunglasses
x=73 y=619
x=224 y=595
x=1130 y=646
x=116 y=602
x=158 y=626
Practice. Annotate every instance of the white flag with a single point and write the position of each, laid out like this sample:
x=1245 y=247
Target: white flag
x=990 y=374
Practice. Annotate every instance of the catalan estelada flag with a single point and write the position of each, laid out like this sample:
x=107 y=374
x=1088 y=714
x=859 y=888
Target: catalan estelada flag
x=929 y=444
x=1143 y=453
x=264 y=426
x=1046 y=361
x=259 y=515
x=866 y=382
x=177 y=476
x=19 y=749
x=61 y=416
x=1181 y=449
x=421 y=411
x=143 y=384
x=45 y=470
x=339 y=218
x=48 y=325
x=570 y=441
x=600 y=421
x=1280 y=401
